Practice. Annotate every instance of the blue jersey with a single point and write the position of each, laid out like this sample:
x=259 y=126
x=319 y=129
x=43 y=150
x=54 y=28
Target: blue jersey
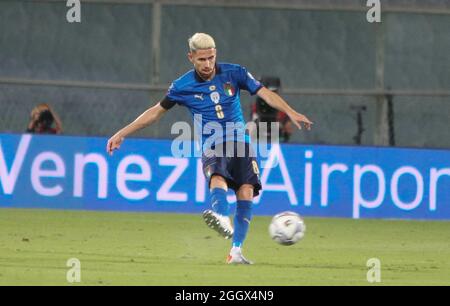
x=215 y=105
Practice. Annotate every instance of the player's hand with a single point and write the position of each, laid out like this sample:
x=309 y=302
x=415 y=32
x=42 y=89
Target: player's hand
x=299 y=119
x=114 y=143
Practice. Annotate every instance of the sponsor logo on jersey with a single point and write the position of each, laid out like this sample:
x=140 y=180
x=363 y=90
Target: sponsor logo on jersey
x=199 y=97
x=215 y=97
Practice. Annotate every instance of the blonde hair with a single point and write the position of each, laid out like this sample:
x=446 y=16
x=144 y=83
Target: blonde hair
x=200 y=41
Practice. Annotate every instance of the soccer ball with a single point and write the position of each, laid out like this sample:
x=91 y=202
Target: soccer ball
x=287 y=228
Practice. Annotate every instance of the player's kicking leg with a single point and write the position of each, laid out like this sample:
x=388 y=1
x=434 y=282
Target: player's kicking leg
x=218 y=218
x=242 y=221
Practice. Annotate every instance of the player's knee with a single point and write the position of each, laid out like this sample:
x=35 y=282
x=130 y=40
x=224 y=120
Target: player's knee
x=218 y=181
x=245 y=193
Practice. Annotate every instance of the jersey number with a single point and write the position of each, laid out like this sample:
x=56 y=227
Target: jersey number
x=219 y=112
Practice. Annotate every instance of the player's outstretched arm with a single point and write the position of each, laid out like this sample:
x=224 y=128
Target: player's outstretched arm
x=147 y=118
x=278 y=103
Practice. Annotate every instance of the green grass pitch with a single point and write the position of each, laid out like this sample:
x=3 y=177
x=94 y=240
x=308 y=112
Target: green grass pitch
x=177 y=249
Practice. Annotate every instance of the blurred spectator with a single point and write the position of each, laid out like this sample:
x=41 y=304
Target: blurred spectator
x=43 y=120
x=262 y=112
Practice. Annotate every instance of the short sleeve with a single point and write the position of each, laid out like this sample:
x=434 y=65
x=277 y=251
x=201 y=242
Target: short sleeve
x=174 y=95
x=247 y=82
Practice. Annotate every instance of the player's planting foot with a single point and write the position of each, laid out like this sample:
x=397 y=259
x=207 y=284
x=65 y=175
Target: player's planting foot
x=219 y=223
x=236 y=257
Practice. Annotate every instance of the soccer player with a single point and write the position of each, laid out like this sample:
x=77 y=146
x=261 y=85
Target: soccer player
x=211 y=91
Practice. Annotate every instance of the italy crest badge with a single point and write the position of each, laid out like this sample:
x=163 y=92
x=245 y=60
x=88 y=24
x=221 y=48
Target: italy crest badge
x=229 y=89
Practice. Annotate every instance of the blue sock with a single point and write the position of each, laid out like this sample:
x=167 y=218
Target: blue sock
x=241 y=222
x=219 y=201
